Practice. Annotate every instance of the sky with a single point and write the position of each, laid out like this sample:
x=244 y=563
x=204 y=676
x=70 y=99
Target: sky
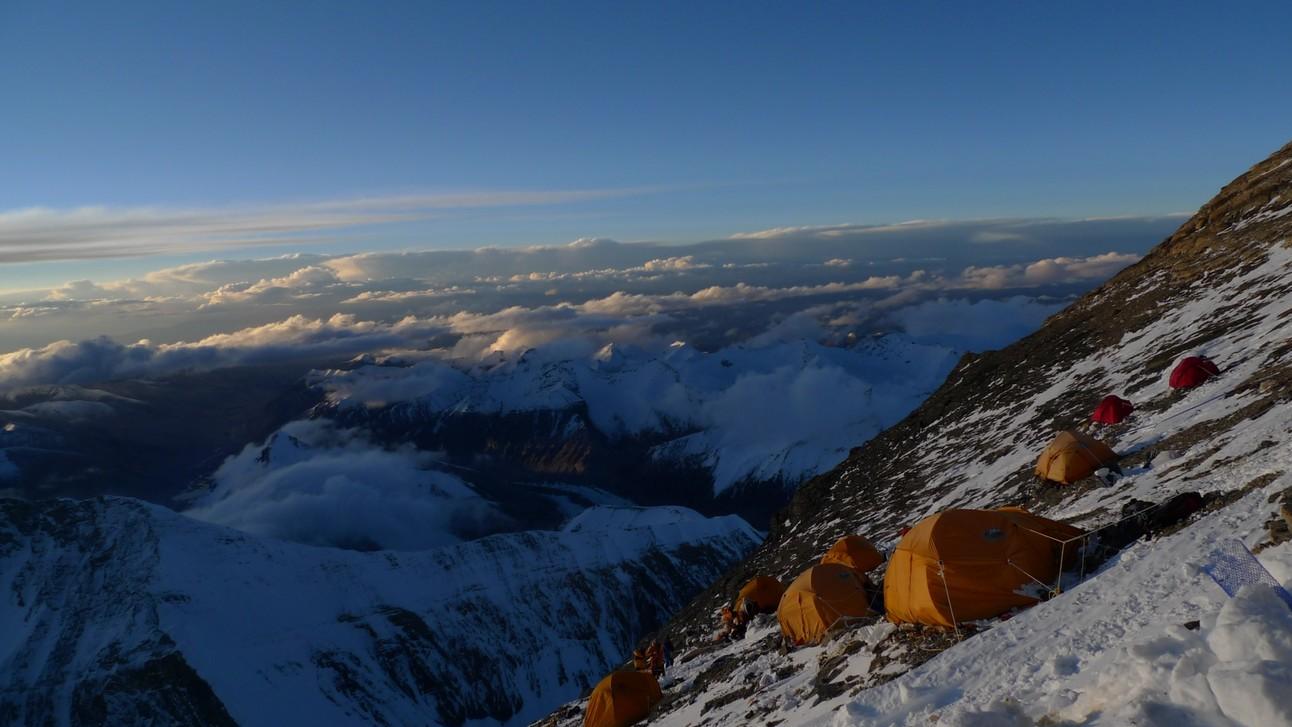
x=340 y=127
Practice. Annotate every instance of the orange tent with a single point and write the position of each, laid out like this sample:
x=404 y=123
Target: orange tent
x=818 y=598
x=621 y=699
x=962 y=565
x=764 y=592
x=1073 y=456
x=855 y=552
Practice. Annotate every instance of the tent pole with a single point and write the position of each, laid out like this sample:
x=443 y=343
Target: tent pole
x=1058 y=582
x=1085 y=551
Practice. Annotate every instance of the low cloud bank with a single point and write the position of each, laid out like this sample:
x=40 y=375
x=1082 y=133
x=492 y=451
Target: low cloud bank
x=569 y=300
x=1047 y=272
x=317 y=484
x=566 y=329
x=295 y=338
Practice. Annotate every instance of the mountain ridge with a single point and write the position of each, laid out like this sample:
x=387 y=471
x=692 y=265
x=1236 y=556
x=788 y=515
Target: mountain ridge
x=125 y=612
x=976 y=371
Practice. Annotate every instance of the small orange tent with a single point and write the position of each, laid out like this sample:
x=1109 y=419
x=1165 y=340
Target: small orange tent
x=973 y=564
x=621 y=699
x=1073 y=456
x=855 y=552
x=764 y=592
x=818 y=598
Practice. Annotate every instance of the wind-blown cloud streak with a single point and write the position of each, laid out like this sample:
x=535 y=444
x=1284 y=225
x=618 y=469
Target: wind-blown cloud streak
x=44 y=234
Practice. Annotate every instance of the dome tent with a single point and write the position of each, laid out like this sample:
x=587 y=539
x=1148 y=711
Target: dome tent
x=1192 y=371
x=763 y=592
x=855 y=552
x=1112 y=410
x=1073 y=456
x=622 y=698
x=962 y=565
x=818 y=599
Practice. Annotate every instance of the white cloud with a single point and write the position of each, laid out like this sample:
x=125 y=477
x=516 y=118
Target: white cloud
x=296 y=337
x=685 y=262
x=645 y=319
x=405 y=296
x=314 y=483
x=273 y=290
x=621 y=303
x=1047 y=272
x=574 y=297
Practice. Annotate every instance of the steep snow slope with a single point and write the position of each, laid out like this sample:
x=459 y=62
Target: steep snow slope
x=120 y=612
x=1222 y=286
x=1112 y=651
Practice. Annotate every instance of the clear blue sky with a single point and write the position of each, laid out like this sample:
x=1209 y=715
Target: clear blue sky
x=736 y=116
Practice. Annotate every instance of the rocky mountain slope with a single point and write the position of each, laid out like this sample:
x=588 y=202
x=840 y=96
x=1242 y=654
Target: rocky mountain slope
x=1220 y=286
x=119 y=612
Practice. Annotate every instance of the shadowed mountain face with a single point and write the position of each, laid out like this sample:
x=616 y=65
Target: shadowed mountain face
x=145 y=438
x=1220 y=286
x=118 y=612
x=728 y=431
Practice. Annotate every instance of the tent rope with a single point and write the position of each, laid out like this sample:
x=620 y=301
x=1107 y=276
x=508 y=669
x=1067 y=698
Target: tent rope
x=1182 y=412
x=1063 y=544
x=1088 y=533
x=955 y=623
x=1038 y=582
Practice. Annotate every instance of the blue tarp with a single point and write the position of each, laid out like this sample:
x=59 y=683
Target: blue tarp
x=1233 y=566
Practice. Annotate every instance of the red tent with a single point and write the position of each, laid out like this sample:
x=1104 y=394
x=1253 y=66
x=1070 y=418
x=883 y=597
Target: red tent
x=1192 y=371
x=1112 y=410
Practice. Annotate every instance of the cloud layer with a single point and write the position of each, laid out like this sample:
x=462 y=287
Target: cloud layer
x=294 y=338
x=822 y=283
x=314 y=483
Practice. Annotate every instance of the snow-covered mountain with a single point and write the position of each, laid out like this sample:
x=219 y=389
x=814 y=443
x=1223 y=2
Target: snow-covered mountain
x=1149 y=639
x=120 y=612
x=730 y=430
x=683 y=426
